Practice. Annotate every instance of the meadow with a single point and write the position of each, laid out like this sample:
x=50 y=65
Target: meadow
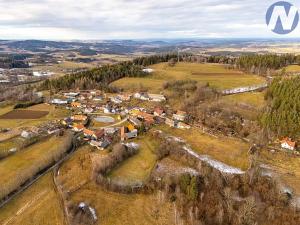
x=18 y=168
x=231 y=151
x=112 y=208
x=218 y=76
x=138 y=167
x=38 y=205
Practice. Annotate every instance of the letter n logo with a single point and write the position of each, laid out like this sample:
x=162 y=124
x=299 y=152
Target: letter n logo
x=282 y=17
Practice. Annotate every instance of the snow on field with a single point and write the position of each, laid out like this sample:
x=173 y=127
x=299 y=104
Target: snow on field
x=222 y=167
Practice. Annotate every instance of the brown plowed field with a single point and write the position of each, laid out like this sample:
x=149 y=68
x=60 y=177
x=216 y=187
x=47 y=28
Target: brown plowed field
x=24 y=114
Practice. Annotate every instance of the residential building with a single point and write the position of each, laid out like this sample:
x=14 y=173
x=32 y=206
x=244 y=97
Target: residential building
x=180 y=116
x=79 y=118
x=78 y=127
x=287 y=143
x=157 y=97
x=88 y=133
x=76 y=104
x=182 y=125
x=59 y=102
x=98 y=134
x=159 y=112
x=170 y=122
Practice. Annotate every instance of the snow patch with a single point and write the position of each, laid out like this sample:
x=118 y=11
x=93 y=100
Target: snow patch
x=214 y=163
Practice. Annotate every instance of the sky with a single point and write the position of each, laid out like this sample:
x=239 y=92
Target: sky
x=135 y=19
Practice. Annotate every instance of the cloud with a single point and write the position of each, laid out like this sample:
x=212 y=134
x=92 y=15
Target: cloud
x=133 y=19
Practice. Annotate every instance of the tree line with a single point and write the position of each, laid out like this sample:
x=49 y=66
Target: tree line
x=103 y=76
x=264 y=64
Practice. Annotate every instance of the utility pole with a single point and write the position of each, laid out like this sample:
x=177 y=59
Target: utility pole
x=178 y=54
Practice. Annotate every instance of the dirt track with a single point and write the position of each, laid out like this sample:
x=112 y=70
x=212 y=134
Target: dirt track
x=24 y=114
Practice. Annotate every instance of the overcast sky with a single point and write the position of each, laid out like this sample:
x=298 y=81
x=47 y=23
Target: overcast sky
x=134 y=19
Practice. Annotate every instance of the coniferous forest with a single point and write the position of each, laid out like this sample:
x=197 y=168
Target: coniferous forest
x=101 y=77
x=282 y=116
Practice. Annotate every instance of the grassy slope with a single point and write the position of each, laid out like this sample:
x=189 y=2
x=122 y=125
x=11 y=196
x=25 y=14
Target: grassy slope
x=292 y=69
x=138 y=167
x=38 y=205
x=217 y=75
x=227 y=150
x=111 y=208
x=255 y=99
x=18 y=164
x=54 y=113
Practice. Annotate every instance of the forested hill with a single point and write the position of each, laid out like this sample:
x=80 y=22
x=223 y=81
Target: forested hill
x=282 y=117
x=101 y=77
x=264 y=64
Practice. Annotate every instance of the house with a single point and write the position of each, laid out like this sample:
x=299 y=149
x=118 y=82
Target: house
x=135 y=121
x=98 y=98
x=125 y=97
x=101 y=145
x=170 y=122
x=76 y=104
x=88 y=133
x=287 y=143
x=59 y=102
x=157 y=97
x=116 y=100
x=182 y=125
x=145 y=116
x=110 y=130
x=79 y=118
x=180 y=116
x=72 y=94
x=148 y=70
x=142 y=96
x=54 y=131
x=27 y=134
x=126 y=134
x=98 y=134
x=67 y=121
x=132 y=134
x=78 y=127
x=88 y=110
x=159 y=112
x=131 y=127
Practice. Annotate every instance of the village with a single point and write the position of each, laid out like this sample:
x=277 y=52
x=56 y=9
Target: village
x=123 y=121
x=117 y=120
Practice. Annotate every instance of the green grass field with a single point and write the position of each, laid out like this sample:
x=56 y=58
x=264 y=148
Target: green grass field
x=214 y=74
x=139 y=166
x=38 y=205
